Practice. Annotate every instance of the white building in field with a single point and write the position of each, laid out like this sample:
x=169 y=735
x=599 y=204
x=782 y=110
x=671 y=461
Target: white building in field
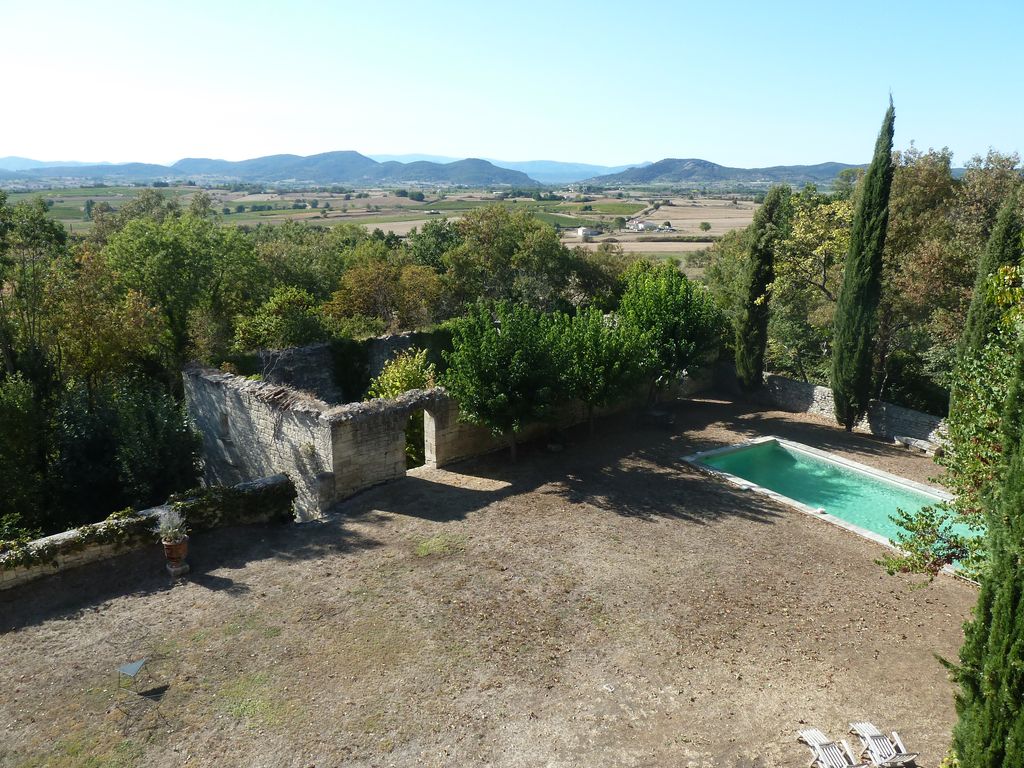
x=584 y=232
x=641 y=226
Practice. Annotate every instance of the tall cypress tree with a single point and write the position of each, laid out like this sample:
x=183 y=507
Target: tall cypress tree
x=990 y=731
x=752 y=325
x=1004 y=247
x=857 y=308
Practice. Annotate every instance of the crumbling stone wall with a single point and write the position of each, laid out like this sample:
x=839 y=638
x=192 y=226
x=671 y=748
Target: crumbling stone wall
x=314 y=368
x=882 y=419
x=254 y=428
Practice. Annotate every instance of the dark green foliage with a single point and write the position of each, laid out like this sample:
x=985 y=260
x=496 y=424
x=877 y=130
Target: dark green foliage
x=268 y=500
x=1005 y=247
x=598 y=361
x=678 y=316
x=499 y=369
x=22 y=500
x=290 y=318
x=767 y=228
x=990 y=704
x=351 y=368
x=126 y=443
x=856 y=309
x=431 y=243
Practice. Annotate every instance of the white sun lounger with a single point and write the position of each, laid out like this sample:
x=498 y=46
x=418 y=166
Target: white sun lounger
x=880 y=749
x=827 y=753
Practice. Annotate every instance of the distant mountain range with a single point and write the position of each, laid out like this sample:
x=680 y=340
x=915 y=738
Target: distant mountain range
x=325 y=168
x=353 y=168
x=14 y=163
x=694 y=171
x=544 y=171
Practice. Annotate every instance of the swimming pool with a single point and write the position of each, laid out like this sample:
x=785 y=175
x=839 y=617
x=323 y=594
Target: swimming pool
x=850 y=494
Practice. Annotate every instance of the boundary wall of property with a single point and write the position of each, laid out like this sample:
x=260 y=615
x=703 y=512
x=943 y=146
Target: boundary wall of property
x=255 y=428
x=258 y=501
x=882 y=419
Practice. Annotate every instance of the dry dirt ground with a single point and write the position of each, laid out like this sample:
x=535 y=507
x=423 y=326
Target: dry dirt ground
x=600 y=606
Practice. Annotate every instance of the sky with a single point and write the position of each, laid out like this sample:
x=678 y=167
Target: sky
x=738 y=83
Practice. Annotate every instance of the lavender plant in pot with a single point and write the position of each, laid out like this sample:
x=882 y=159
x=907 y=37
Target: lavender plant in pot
x=174 y=536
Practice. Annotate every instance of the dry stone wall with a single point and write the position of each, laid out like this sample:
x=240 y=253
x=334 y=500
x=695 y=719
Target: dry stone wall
x=310 y=369
x=882 y=419
x=252 y=428
x=79 y=546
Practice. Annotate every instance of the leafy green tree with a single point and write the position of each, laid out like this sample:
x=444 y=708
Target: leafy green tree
x=598 y=361
x=990 y=703
x=183 y=264
x=597 y=278
x=99 y=329
x=500 y=368
x=678 y=316
x=403 y=296
x=290 y=318
x=508 y=256
x=1005 y=248
x=129 y=442
x=856 y=309
x=429 y=245
x=705 y=226
x=87 y=210
x=23 y=501
x=767 y=230
x=407 y=370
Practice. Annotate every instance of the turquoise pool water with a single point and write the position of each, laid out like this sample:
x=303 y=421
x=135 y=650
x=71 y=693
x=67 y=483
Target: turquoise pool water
x=846 y=493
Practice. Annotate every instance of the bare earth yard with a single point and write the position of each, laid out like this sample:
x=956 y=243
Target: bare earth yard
x=600 y=606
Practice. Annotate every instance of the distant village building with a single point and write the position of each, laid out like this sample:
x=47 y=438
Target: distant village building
x=584 y=232
x=641 y=226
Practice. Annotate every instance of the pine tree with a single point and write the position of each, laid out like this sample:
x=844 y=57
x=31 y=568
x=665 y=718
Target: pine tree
x=1004 y=248
x=990 y=704
x=752 y=324
x=857 y=307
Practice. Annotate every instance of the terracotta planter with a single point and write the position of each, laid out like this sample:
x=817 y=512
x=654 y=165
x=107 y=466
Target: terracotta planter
x=176 y=552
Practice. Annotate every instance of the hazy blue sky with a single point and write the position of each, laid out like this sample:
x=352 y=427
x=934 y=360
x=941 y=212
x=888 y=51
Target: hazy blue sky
x=739 y=83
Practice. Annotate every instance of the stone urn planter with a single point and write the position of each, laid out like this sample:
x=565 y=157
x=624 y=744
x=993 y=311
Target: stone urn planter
x=176 y=552
x=173 y=535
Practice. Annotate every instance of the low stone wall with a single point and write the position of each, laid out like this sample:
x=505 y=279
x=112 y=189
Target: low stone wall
x=882 y=419
x=253 y=428
x=264 y=500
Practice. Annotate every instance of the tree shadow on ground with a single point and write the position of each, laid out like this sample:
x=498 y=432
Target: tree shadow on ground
x=629 y=467
x=72 y=593
x=751 y=419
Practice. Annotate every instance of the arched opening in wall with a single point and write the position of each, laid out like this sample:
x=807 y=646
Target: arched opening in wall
x=414 y=441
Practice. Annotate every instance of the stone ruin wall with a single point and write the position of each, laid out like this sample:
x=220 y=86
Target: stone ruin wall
x=311 y=368
x=882 y=419
x=251 y=429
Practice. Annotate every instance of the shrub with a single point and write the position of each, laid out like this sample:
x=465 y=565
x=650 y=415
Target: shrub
x=406 y=370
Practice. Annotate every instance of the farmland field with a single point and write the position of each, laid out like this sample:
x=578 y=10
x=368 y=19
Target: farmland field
x=378 y=208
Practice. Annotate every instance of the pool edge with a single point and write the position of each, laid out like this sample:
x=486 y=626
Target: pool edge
x=695 y=460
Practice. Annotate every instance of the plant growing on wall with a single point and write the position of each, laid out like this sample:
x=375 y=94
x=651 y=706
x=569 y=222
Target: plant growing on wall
x=499 y=368
x=406 y=370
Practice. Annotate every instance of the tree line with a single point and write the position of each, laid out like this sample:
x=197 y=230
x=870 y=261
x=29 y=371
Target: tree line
x=95 y=329
x=910 y=284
